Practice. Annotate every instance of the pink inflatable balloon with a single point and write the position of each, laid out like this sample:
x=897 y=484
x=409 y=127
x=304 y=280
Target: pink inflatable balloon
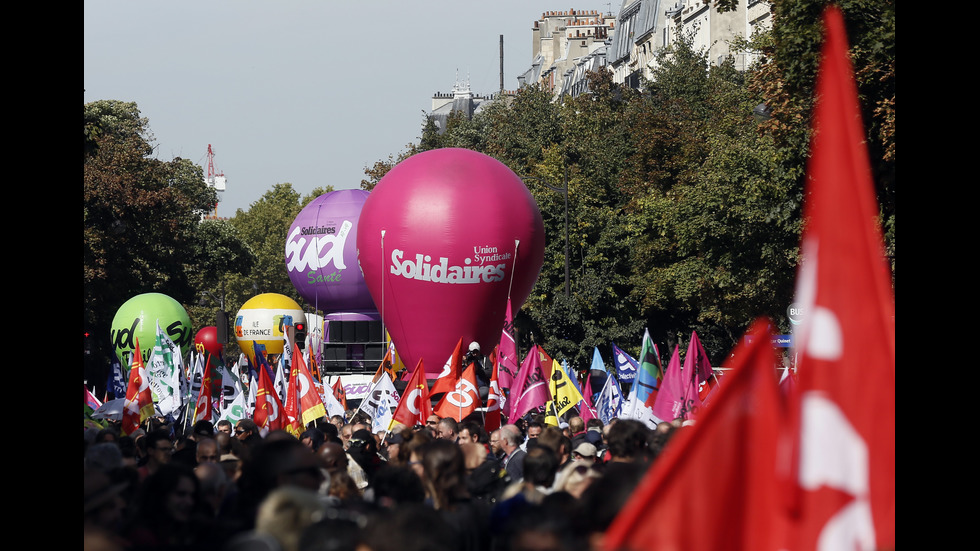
x=441 y=240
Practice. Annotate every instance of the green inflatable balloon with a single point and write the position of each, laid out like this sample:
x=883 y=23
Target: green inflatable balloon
x=137 y=319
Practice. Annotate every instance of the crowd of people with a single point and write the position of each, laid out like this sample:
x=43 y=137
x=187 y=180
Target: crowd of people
x=444 y=485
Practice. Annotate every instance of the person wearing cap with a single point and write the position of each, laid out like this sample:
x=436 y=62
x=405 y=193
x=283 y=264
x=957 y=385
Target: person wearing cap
x=584 y=452
x=390 y=446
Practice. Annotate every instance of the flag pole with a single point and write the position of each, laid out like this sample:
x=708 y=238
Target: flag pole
x=510 y=286
x=384 y=332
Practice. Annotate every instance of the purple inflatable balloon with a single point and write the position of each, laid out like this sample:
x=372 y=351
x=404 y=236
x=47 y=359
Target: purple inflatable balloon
x=321 y=255
x=444 y=238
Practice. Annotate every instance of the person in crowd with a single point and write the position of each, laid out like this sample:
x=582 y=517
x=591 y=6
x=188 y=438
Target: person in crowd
x=159 y=450
x=534 y=428
x=444 y=479
x=397 y=485
x=274 y=464
x=207 y=451
x=483 y=477
x=104 y=456
x=345 y=433
x=202 y=429
x=540 y=467
x=513 y=460
x=166 y=512
x=248 y=433
x=471 y=430
x=286 y=513
x=390 y=445
x=312 y=438
x=432 y=423
x=224 y=426
x=213 y=485
x=629 y=441
x=576 y=429
x=103 y=502
x=495 y=440
x=555 y=439
x=447 y=429
x=363 y=449
x=185 y=451
x=408 y=528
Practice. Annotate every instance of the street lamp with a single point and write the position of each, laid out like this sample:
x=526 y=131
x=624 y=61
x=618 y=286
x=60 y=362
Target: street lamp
x=221 y=317
x=564 y=191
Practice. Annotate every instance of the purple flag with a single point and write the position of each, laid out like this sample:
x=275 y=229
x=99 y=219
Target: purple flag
x=530 y=388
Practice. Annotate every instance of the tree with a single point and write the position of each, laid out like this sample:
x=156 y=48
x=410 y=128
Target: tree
x=140 y=218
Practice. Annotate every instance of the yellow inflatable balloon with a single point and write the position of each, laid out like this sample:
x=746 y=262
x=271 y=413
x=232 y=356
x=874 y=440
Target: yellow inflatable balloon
x=259 y=321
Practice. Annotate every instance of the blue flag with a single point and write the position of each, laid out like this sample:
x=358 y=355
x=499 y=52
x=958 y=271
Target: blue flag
x=626 y=365
x=261 y=360
x=609 y=404
x=116 y=383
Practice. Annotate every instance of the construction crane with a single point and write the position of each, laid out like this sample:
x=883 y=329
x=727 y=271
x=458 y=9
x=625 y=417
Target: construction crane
x=215 y=180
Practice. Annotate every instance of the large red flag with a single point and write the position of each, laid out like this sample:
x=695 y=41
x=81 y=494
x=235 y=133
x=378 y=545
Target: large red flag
x=139 y=398
x=712 y=488
x=451 y=372
x=268 y=408
x=414 y=407
x=843 y=409
x=462 y=400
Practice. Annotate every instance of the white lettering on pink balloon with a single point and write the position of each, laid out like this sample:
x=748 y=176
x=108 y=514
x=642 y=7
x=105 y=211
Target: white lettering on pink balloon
x=422 y=269
x=300 y=258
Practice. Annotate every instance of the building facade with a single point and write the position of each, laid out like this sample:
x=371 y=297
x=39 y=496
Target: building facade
x=568 y=44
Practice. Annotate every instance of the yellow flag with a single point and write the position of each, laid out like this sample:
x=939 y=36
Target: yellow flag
x=549 y=415
x=563 y=391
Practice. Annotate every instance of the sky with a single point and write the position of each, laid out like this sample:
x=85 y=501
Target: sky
x=302 y=92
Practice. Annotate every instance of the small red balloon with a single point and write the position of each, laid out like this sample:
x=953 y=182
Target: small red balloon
x=207 y=337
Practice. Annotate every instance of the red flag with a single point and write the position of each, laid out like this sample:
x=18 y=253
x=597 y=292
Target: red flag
x=311 y=405
x=843 y=410
x=690 y=499
x=415 y=406
x=340 y=393
x=139 y=398
x=463 y=399
x=268 y=408
x=495 y=400
x=451 y=372
x=202 y=410
x=291 y=408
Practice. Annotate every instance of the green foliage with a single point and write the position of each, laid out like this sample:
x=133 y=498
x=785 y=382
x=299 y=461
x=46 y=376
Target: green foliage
x=140 y=220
